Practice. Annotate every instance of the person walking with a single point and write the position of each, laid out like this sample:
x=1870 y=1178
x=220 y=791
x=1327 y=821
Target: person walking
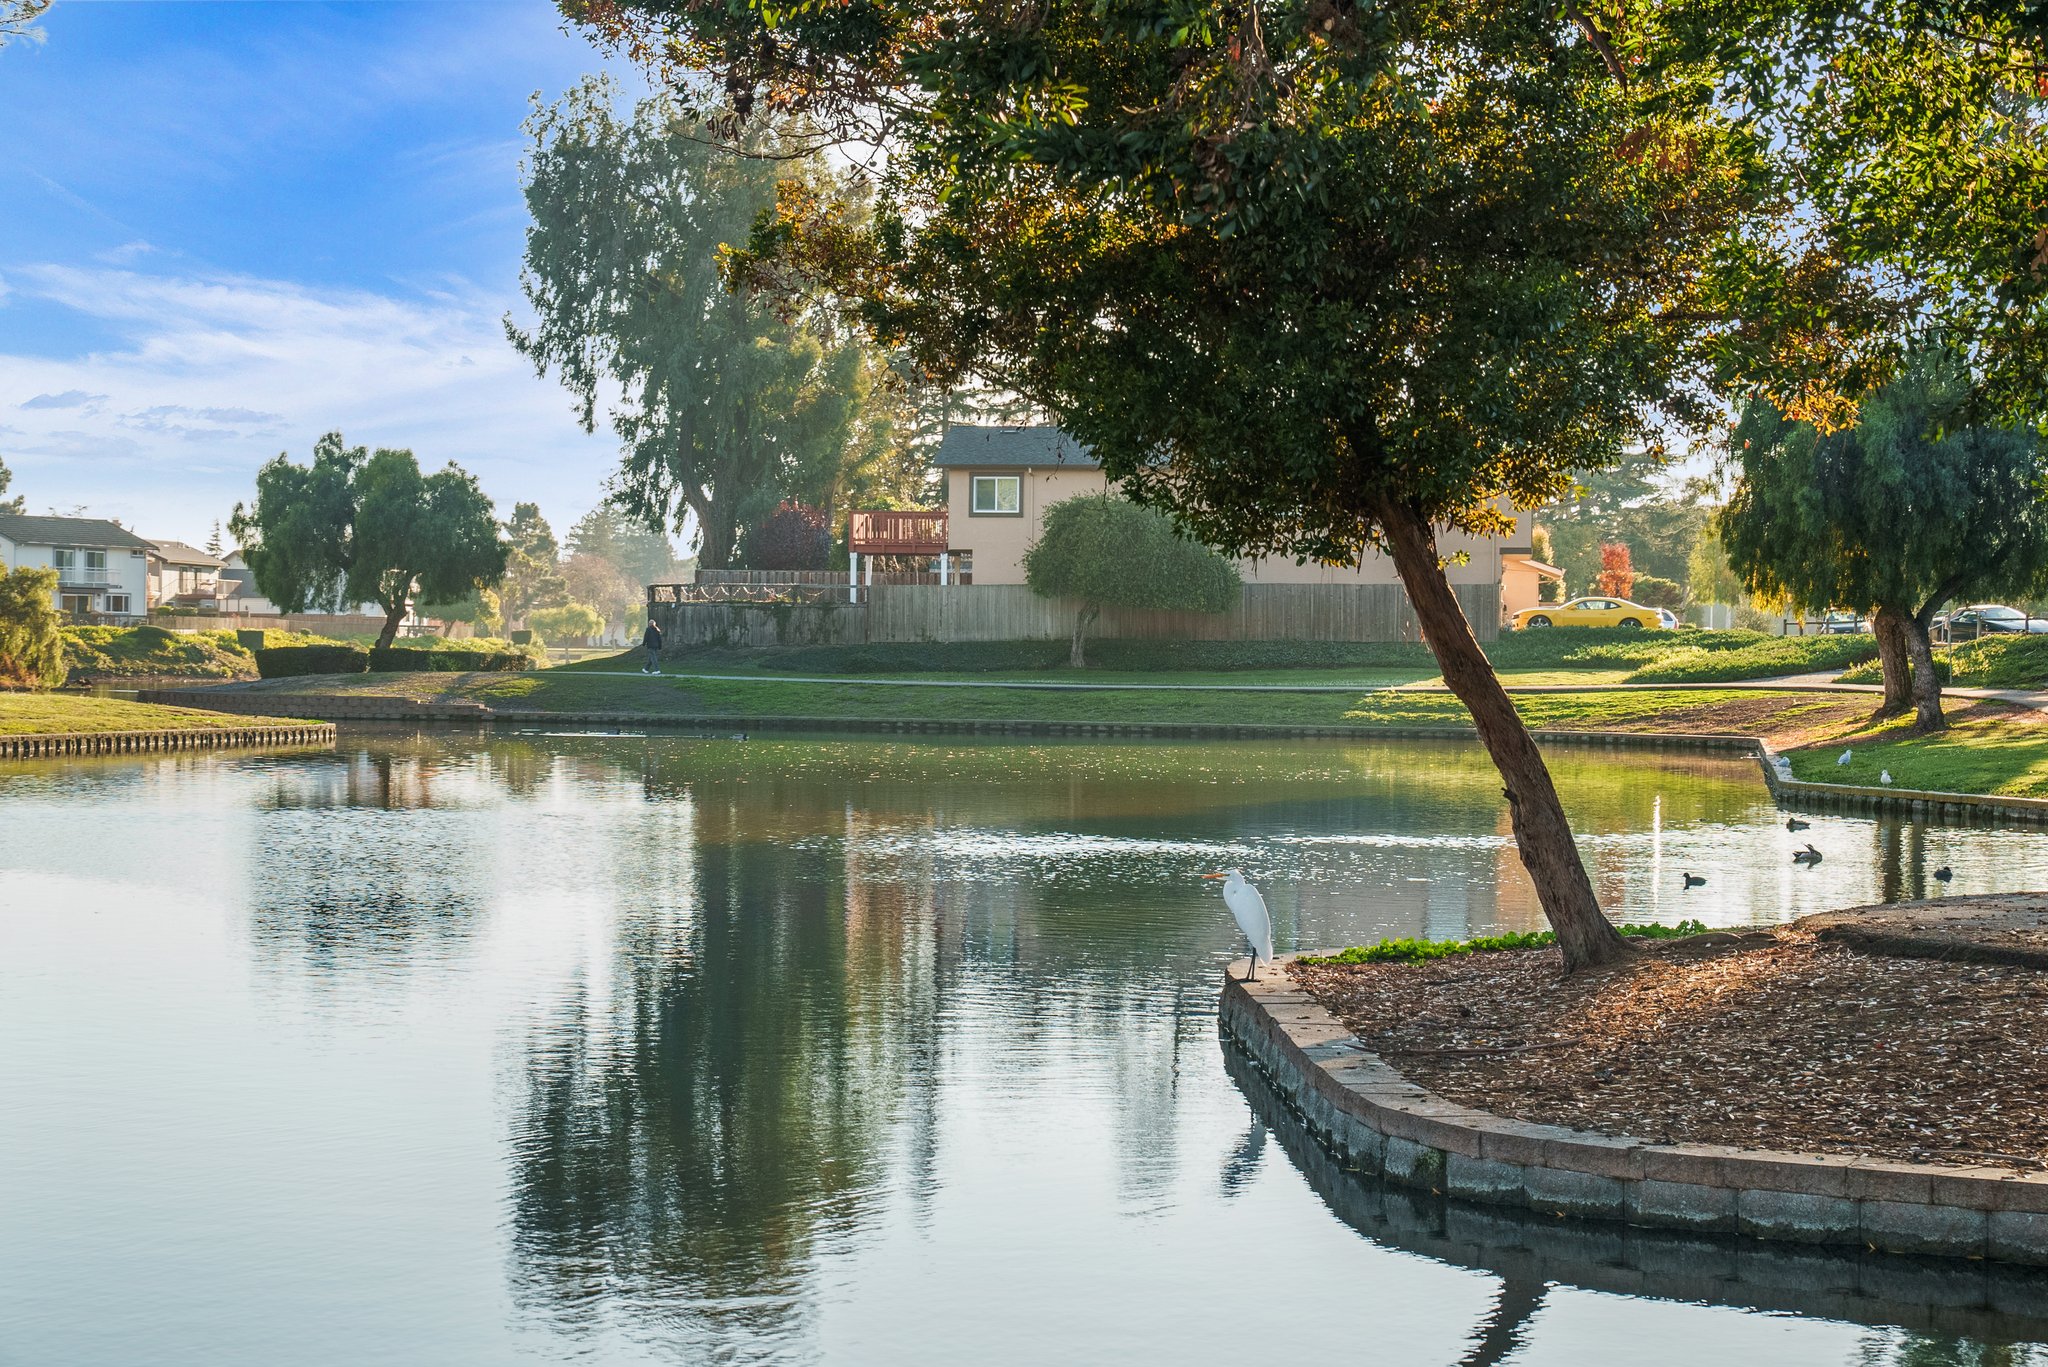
x=651 y=639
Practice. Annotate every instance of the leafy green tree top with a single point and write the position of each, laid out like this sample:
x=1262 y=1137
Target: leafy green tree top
x=17 y=504
x=355 y=527
x=1903 y=513
x=1107 y=551
x=533 y=568
x=31 y=633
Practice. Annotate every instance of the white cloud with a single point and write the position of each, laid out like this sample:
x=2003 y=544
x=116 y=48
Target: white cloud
x=212 y=375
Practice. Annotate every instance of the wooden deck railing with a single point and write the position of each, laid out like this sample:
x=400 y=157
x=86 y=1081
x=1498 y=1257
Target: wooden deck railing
x=891 y=531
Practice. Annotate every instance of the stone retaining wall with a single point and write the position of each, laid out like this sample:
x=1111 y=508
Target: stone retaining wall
x=57 y=744
x=1380 y=1122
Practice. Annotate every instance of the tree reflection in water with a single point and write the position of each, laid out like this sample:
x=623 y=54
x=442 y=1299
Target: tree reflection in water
x=712 y=1110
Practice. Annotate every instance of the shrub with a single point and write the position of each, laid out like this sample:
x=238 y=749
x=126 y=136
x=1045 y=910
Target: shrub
x=292 y=662
x=1653 y=592
x=1418 y=951
x=795 y=536
x=400 y=660
x=31 y=635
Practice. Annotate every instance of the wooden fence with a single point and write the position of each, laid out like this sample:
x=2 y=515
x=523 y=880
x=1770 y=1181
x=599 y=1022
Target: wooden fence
x=1012 y=612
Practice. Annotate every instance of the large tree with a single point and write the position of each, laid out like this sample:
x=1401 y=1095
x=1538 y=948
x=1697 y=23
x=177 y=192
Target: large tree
x=721 y=400
x=640 y=553
x=1899 y=515
x=1635 y=503
x=533 y=566
x=354 y=527
x=1312 y=278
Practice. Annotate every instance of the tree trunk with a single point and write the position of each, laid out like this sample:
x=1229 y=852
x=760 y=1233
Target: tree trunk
x=392 y=617
x=1506 y=1324
x=1542 y=835
x=1086 y=615
x=1926 y=683
x=1889 y=626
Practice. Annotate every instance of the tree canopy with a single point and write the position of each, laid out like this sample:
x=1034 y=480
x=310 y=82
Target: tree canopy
x=640 y=553
x=724 y=403
x=1901 y=514
x=31 y=633
x=354 y=527
x=1106 y=551
x=17 y=504
x=533 y=566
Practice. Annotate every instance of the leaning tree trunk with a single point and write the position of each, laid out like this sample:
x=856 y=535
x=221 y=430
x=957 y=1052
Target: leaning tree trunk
x=1889 y=626
x=1927 y=714
x=1542 y=835
x=1082 y=619
x=392 y=617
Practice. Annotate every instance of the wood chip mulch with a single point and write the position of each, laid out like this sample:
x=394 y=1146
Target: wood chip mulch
x=1761 y=1040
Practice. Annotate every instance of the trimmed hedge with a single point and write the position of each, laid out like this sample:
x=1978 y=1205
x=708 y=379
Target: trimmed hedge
x=1987 y=662
x=292 y=662
x=400 y=660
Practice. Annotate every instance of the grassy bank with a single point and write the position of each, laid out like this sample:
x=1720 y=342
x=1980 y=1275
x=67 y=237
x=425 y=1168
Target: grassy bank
x=1993 y=662
x=1989 y=748
x=95 y=654
x=1559 y=655
x=38 y=714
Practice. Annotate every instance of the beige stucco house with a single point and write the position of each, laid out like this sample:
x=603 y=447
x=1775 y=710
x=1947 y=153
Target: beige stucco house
x=1001 y=480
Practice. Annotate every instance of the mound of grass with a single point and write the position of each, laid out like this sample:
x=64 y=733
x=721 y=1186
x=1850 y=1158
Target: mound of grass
x=1411 y=951
x=138 y=652
x=1768 y=658
x=1988 y=662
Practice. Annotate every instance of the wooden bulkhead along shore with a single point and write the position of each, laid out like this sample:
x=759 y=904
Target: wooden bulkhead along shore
x=55 y=745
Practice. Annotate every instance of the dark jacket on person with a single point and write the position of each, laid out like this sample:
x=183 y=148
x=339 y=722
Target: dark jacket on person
x=651 y=638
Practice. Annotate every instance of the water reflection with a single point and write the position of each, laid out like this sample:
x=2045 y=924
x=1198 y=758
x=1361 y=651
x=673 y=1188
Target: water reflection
x=674 y=1049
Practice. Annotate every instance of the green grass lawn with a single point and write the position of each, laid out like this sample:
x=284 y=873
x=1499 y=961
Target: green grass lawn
x=50 y=713
x=1987 y=749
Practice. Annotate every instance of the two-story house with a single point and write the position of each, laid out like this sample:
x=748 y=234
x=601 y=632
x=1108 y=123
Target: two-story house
x=102 y=567
x=1001 y=480
x=183 y=576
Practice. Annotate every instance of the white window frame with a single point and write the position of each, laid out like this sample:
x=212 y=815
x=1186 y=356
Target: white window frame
x=995 y=484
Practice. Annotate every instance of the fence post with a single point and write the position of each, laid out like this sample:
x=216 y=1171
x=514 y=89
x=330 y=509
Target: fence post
x=853 y=576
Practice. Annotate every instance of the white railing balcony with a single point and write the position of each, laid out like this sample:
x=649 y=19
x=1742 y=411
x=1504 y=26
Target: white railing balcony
x=81 y=576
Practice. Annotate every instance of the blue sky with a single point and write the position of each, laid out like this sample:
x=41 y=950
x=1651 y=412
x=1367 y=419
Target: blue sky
x=227 y=227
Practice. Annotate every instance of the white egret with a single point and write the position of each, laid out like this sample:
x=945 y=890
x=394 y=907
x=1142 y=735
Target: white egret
x=1248 y=909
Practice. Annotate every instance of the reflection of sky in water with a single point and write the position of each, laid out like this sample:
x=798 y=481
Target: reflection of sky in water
x=447 y=1050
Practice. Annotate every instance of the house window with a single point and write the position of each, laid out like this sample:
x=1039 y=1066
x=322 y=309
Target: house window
x=117 y=604
x=77 y=604
x=61 y=558
x=998 y=496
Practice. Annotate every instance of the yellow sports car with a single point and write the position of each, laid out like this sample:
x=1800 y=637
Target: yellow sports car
x=1589 y=612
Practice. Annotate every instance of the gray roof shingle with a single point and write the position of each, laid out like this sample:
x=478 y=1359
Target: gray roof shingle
x=971 y=446
x=178 y=553
x=24 y=530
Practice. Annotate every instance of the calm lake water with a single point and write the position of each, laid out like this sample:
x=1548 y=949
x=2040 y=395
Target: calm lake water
x=502 y=1048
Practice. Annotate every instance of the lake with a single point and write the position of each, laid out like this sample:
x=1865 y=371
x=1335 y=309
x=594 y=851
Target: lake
x=486 y=1047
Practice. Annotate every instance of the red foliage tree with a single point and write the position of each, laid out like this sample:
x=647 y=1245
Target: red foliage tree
x=1617 y=571
x=795 y=536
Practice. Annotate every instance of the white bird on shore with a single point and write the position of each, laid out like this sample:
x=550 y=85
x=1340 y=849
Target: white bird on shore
x=1884 y=776
x=1844 y=759
x=1248 y=909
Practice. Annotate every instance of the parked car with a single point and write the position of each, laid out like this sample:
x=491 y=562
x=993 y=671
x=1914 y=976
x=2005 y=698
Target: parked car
x=1668 y=618
x=1589 y=612
x=1842 y=624
x=1988 y=619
